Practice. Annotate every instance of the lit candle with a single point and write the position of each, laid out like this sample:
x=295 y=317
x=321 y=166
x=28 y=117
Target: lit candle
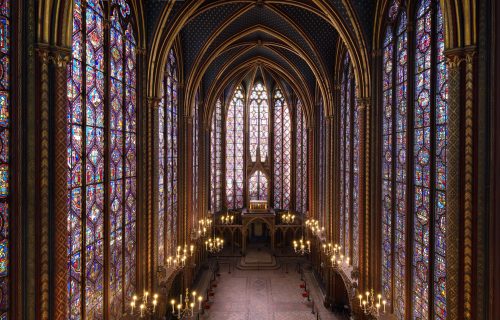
x=146 y=296
x=154 y=305
x=379 y=296
x=200 y=298
x=192 y=307
x=360 y=298
x=378 y=307
x=132 y=305
x=179 y=309
x=142 y=310
x=384 y=302
x=172 y=302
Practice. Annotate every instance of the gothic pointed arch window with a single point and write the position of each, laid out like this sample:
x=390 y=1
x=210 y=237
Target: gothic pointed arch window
x=301 y=159
x=216 y=159
x=258 y=188
x=235 y=137
x=282 y=150
x=196 y=159
x=92 y=118
x=349 y=162
x=414 y=135
x=168 y=120
x=5 y=169
x=258 y=123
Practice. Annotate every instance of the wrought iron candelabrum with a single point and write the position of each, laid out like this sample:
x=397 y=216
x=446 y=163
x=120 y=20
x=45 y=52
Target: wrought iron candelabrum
x=186 y=308
x=313 y=225
x=227 y=219
x=143 y=306
x=204 y=226
x=287 y=218
x=371 y=306
x=214 y=245
x=181 y=256
x=302 y=247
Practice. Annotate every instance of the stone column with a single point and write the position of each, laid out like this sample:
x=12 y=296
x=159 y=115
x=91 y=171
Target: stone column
x=363 y=106
x=150 y=223
x=42 y=181
x=60 y=60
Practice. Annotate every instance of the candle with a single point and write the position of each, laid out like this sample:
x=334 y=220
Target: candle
x=379 y=296
x=384 y=302
x=146 y=296
x=132 y=305
x=154 y=305
x=172 y=302
x=199 y=302
x=378 y=307
x=179 y=309
x=142 y=309
x=180 y=299
x=192 y=307
x=360 y=298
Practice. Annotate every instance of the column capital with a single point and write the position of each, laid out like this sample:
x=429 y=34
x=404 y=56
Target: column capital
x=153 y=102
x=455 y=56
x=363 y=103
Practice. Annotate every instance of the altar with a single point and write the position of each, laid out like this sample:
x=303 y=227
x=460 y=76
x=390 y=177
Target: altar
x=258 y=224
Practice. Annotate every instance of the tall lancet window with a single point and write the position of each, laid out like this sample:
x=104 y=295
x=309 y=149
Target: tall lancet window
x=168 y=120
x=282 y=151
x=301 y=160
x=216 y=159
x=321 y=164
x=235 y=137
x=424 y=120
x=196 y=159
x=258 y=123
x=92 y=118
x=258 y=188
x=5 y=124
x=349 y=166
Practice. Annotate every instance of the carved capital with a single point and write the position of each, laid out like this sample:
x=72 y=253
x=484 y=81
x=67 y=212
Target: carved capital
x=153 y=102
x=60 y=58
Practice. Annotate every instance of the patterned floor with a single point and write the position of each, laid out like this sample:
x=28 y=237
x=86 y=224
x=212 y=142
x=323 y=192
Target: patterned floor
x=262 y=295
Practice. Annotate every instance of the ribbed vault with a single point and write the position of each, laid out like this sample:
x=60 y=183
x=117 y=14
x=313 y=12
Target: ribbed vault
x=222 y=41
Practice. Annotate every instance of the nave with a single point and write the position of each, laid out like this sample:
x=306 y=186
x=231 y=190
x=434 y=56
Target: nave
x=353 y=143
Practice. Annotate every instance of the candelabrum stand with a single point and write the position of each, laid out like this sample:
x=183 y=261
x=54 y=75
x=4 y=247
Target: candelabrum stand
x=143 y=306
x=371 y=305
x=185 y=308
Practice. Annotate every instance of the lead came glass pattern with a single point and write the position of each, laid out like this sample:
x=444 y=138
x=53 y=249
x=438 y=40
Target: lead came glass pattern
x=168 y=162
x=258 y=188
x=216 y=158
x=322 y=165
x=282 y=151
x=259 y=123
x=235 y=137
x=86 y=148
x=428 y=155
x=5 y=106
x=301 y=159
x=196 y=159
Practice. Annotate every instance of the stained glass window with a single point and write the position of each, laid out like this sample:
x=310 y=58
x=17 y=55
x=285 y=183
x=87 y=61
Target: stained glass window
x=322 y=164
x=428 y=155
x=258 y=188
x=196 y=159
x=216 y=158
x=167 y=162
x=301 y=160
x=5 y=106
x=87 y=111
x=258 y=123
x=235 y=137
x=282 y=151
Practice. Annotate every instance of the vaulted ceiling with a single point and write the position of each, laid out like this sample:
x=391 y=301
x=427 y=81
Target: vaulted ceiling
x=222 y=40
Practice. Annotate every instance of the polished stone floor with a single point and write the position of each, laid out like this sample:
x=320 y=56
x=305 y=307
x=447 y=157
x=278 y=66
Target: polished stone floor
x=264 y=295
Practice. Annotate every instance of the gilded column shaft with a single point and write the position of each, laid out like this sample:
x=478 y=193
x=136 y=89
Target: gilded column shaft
x=59 y=302
x=453 y=187
x=42 y=181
